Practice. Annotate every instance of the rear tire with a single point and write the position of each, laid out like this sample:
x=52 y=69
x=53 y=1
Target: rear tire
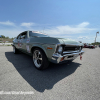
x=15 y=50
x=40 y=59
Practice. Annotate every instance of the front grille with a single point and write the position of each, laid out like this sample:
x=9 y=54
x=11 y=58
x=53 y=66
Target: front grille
x=71 y=48
x=70 y=56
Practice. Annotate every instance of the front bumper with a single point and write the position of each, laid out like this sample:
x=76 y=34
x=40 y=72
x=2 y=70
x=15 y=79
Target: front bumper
x=57 y=58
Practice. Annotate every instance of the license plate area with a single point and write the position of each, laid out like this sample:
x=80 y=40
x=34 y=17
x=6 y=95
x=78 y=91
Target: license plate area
x=69 y=57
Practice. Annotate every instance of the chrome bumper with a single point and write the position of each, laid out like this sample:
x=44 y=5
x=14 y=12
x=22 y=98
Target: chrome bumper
x=57 y=58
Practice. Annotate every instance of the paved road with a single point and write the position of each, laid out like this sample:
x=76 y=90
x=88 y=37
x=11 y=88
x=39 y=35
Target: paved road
x=77 y=80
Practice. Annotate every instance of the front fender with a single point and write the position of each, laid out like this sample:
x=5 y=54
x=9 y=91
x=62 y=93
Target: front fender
x=48 y=52
x=39 y=46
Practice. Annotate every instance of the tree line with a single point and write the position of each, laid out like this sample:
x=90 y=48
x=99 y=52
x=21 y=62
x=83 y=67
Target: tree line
x=2 y=36
x=96 y=43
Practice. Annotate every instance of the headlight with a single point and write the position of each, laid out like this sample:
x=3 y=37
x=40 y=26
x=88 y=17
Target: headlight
x=60 y=49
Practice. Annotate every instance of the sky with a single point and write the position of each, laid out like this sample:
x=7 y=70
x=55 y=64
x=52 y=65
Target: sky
x=74 y=19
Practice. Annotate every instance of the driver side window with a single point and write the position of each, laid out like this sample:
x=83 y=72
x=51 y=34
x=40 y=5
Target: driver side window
x=24 y=35
x=18 y=37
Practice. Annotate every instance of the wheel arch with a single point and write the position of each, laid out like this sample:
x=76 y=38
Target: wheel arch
x=39 y=47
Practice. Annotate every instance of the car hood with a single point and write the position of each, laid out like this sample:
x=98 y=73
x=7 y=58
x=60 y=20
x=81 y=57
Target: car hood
x=68 y=41
x=53 y=40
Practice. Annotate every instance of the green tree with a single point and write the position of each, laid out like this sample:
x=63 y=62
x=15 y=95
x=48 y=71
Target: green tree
x=3 y=36
x=97 y=43
x=7 y=37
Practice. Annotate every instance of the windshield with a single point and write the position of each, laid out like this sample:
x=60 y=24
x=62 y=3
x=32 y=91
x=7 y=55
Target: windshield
x=37 y=34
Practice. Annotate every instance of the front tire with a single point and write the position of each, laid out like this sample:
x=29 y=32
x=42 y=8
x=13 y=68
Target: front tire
x=40 y=60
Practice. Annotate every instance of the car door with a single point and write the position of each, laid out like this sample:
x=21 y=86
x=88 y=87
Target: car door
x=23 y=41
x=18 y=42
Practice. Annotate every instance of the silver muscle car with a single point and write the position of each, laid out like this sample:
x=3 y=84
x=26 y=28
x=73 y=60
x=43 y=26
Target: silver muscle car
x=45 y=49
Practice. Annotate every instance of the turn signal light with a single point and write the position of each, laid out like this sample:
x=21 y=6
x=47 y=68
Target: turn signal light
x=49 y=48
x=62 y=59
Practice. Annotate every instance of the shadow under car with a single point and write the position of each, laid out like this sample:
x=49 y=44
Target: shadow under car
x=40 y=79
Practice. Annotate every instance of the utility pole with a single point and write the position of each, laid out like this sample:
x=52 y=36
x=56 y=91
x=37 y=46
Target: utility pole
x=96 y=36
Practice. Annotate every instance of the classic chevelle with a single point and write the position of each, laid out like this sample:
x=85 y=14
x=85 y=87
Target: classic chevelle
x=45 y=49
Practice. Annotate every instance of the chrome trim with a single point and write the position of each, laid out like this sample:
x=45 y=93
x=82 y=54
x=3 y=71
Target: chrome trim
x=71 y=52
x=57 y=57
x=55 y=48
x=58 y=44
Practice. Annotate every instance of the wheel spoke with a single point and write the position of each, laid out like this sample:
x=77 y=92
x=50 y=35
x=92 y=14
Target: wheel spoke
x=36 y=54
x=37 y=58
x=40 y=58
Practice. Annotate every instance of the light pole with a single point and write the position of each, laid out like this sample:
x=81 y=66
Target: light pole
x=96 y=36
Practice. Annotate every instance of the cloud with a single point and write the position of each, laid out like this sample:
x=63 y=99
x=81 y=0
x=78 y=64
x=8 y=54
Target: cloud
x=8 y=23
x=27 y=24
x=82 y=25
x=66 y=29
x=74 y=32
x=83 y=37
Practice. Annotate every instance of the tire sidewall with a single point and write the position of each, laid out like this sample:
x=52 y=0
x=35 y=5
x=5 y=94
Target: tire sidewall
x=15 y=50
x=44 y=59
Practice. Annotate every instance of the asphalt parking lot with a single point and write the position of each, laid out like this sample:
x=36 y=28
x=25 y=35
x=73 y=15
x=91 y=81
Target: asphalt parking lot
x=77 y=80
